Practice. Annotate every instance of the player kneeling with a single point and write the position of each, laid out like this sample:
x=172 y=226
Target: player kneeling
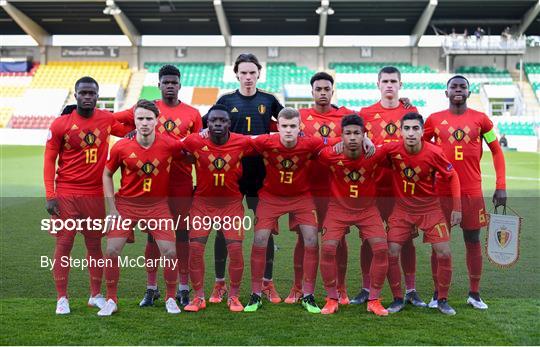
x=353 y=203
x=414 y=164
x=145 y=162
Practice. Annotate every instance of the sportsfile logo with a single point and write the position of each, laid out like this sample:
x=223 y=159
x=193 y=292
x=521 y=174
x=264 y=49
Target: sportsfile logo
x=113 y=222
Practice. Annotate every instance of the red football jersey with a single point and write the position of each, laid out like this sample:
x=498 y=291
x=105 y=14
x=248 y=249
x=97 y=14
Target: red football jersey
x=325 y=125
x=413 y=175
x=352 y=182
x=460 y=137
x=145 y=171
x=383 y=125
x=177 y=122
x=81 y=145
x=286 y=168
x=218 y=167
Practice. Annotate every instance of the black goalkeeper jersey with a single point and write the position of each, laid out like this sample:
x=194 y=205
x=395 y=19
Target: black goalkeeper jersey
x=250 y=115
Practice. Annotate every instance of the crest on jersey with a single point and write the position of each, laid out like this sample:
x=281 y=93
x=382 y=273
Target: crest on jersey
x=459 y=134
x=262 y=109
x=90 y=138
x=408 y=172
x=219 y=163
x=390 y=128
x=169 y=125
x=324 y=130
x=354 y=176
x=148 y=168
x=287 y=163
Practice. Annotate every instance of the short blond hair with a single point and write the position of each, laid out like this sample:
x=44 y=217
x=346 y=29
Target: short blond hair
x=288 y=113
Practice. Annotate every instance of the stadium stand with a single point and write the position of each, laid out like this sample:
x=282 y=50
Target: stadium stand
x=64 y=74
x=50 y=87
x=532 y=70
x=12 y=88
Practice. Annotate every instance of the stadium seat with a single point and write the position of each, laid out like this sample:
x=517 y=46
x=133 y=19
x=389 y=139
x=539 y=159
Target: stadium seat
x=31 y=122
x=532 y=70
x=64 y=74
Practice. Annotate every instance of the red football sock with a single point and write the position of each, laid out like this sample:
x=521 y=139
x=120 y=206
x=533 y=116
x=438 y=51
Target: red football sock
x=408 y=264
x=94 y=256
x=474 y=264
x=329 y=270
x=258 y=262
x=298 y=259
x=342 y=258
x=311 y=265
x=236 y=267
x=182 y=253
x=112 y=276
x=365 y=263
x=170 y=274
x=63 y=247
x=444 y=275
x=151 y=252
x=394 y=276
x=378 y=270
x=434 y=266
x=196 y=267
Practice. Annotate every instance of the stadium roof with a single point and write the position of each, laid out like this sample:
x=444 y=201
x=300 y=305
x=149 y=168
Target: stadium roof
x=277 y=17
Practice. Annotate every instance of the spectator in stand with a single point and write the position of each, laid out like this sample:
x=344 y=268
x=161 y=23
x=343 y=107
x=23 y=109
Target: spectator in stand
x=503 y=141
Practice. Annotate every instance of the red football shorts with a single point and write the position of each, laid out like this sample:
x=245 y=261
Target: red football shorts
x=180 y=200
x=338 y=220
x=157 y=221
x=81 y=207
x=385 y=195
x=301 y=211
x=401 y=226
x=473 y=210
x=321 y=200
x=229 y=217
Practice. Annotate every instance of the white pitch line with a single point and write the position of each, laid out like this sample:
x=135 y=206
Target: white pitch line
x=515 y=178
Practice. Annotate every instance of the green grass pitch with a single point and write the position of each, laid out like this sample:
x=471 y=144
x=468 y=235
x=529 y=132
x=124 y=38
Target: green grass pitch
x=27 y=295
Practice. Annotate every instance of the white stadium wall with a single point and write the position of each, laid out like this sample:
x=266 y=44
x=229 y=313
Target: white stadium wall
x=168 y=54
x=300 y=55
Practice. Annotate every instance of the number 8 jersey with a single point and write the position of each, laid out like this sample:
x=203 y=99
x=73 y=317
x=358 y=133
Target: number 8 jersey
x=145 y=171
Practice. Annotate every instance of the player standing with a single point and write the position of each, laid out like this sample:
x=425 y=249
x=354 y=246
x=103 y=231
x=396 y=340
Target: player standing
x=177 y=120
x=80 y=141
x=145 y=161
x=382 y=121
x=218 y=197
x=251 y=112
x=353 y=203
x=286 y=190
x=323 y=121
x=414 y=164
x=459 y=132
